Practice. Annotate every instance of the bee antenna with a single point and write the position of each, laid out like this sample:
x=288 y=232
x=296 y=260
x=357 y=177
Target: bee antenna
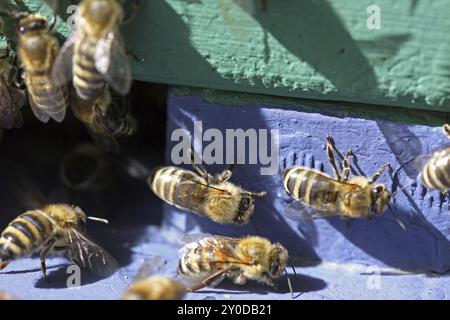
x=259 y=194
x=291 y=290
x=14 y=14
x=401 y=224
x=98 y=219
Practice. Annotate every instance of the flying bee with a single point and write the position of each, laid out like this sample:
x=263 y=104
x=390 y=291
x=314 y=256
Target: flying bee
x=436 y=171
x=95 y=52
x=37 y=49
x=148 y=286
x=319 y=195
x=211 y=196
x=51 y=228
x=12 y=98
x=207 y=259
x=105 y=117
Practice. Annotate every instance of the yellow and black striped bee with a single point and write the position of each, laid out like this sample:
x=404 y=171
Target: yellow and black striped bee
x=207 y=259
x=37 y=49
x=95 y=52
x=105 y=117
x=54 y=228
x=436 y=171
x=319 y=195
x=148 y=286
x=12 y=98
x=211 y=196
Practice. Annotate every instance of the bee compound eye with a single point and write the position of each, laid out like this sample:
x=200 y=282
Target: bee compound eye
x=274 y=268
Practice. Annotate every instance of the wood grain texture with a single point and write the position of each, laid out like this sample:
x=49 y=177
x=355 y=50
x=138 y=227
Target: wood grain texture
x=309 y=49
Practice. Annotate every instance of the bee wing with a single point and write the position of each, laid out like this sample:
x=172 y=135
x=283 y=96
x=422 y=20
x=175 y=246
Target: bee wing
x=87 y=254
x=10 y=103
x=62 y=67
x=150 y=267
x=222 y=244
x=188 y=238
x=112 y=61
x=41 y=115
x=299 y=211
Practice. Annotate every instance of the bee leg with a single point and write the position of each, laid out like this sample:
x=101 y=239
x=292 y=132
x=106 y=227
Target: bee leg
x=44 y=254
x=135 y=4
x=198 y=168
x=226 y=174
x=3 y=265
x=379 y=173
x=215 y=278
x=346 y=165
x=331 y=159
x=446 y=128
x=263 y=5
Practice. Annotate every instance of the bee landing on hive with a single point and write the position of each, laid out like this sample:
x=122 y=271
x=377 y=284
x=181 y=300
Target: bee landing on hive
x=318 y=195
x=211 y=196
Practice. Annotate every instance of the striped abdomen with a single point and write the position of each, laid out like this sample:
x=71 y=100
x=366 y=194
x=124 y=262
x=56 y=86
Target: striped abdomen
x=311 y=187
x=88 y=82
x=25 y=234
x=47 y=97
x=178 y=187
x=436 y=172
x=196 y=259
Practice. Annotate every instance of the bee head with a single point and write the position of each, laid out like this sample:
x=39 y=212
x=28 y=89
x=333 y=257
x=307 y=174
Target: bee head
x=32 y=22
x=380 y=198
x=278 y=260
x=101 y=12
x=81 y=218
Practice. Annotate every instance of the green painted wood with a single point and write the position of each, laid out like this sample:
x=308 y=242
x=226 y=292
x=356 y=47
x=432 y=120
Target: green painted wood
x=314 y=49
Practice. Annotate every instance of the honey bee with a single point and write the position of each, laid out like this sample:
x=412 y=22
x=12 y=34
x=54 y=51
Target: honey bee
x=436 y=171
x=105 y=118
x=12 y=98
x=319 y=195
x=210 y=196
x=95 y=52
x=208 y=259
x=37 y=50
x=53 y=228
x=148 y=286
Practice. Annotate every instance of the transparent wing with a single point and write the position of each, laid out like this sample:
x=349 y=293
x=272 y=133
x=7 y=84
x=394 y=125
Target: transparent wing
x=112 y=61
x=194 y=237
x=299 y=211
x=150 y=267
x=62 y=67
x=295 y=211
x=222 y=246
x=41 y=115
x=89 y=255
x=10 y=103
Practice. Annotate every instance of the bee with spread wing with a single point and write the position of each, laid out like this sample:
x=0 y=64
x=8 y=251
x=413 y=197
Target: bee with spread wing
x=47 y=228
x=207 y=259
x=95 y=52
